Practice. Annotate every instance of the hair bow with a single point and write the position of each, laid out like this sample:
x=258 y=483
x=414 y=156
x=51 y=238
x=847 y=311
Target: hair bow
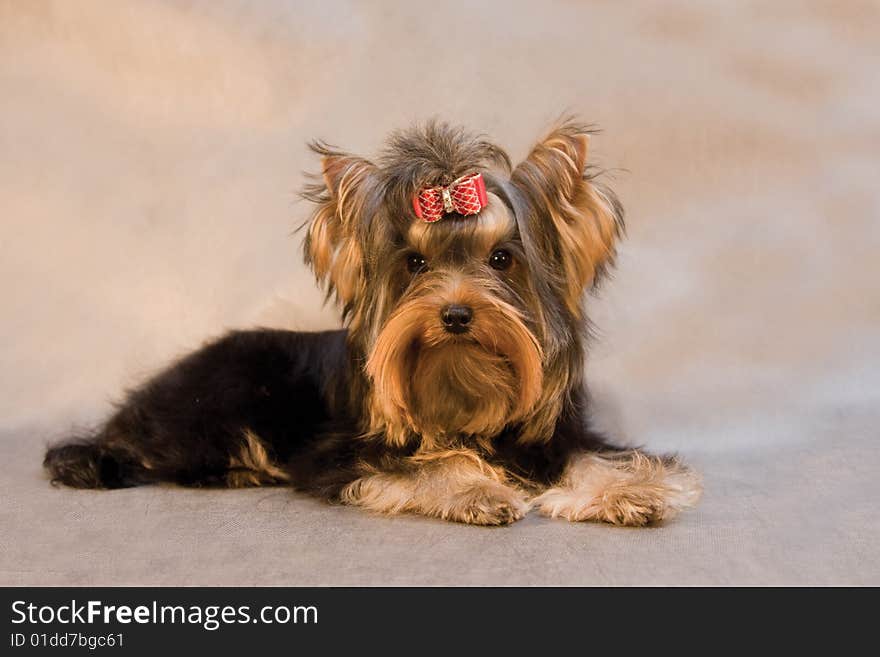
x=466 y=196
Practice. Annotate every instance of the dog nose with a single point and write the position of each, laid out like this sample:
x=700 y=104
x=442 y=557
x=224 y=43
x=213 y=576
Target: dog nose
x=456 y=318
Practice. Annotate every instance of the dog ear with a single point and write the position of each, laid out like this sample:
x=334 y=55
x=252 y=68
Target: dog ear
x=344 y=200
x=572 y=217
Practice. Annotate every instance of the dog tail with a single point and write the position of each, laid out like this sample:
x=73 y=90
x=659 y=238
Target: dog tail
x=88 y=462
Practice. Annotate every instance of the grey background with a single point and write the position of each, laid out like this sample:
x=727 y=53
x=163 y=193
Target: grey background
x=149 y=158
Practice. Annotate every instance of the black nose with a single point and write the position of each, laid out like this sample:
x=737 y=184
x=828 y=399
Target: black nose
x=456 y=318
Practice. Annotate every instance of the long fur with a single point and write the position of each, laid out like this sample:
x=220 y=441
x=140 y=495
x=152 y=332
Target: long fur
x=397 y=413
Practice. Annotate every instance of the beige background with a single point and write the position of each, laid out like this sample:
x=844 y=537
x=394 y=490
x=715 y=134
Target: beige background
x=150 y=154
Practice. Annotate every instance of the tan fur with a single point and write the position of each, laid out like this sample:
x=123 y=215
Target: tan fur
x=453 y=484
x=334 y=253
x=428 y=382
x=583 y=216
x=252 y=465
x=540 y=423
x=628 y=488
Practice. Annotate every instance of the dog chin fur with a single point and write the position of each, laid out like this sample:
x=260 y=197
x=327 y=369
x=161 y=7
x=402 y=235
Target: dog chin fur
x=456 y=389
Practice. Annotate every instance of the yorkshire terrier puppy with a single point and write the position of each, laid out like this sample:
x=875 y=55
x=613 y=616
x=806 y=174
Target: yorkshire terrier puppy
x=456 y=389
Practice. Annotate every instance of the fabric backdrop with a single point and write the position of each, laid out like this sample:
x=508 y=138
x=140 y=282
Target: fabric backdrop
x=150 y=154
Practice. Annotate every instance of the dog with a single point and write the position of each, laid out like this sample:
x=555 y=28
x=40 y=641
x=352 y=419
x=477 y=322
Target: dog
x=456 y=389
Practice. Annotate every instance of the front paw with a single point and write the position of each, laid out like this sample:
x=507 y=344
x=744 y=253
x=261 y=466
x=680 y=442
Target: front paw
x=631 y=508
x=487 y=504
x=632 y=490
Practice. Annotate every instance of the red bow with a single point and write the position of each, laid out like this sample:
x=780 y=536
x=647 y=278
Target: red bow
x=466 y=196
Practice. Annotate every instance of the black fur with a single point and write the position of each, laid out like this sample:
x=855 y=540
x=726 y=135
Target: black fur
x=187 y=421
x=291 y=389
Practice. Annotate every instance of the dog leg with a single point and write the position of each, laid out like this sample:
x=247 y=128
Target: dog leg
x=453 y=485
x=625 y=488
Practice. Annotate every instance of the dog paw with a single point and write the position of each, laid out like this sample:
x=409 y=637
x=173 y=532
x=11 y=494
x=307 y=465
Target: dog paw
x=616 y=508
x=487 y=505
x=621 y=494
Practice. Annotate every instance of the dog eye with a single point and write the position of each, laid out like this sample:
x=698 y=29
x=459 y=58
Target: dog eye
x=416 y=263
x=500 y=259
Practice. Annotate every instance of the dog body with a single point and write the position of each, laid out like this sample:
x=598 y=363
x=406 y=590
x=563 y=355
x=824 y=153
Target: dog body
x=456 y=389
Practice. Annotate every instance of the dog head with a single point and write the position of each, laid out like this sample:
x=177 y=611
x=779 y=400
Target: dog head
x=469 y=316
